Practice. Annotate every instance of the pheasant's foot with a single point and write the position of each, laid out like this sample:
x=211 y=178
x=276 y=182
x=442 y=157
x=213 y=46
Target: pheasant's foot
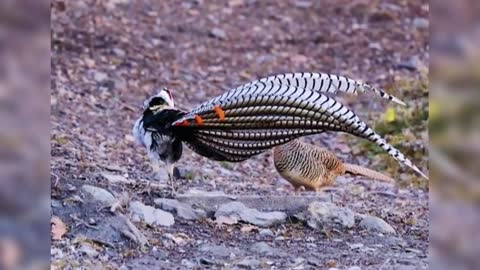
x=298 y=190
x=171 y=179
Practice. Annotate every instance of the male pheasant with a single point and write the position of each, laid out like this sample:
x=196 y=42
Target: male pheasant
x=252 y=118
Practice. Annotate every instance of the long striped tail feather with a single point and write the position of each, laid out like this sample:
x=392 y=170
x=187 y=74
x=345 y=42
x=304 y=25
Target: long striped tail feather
x=316 y=82
x=288 y=108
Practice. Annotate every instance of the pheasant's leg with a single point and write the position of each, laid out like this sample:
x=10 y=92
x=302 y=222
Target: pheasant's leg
x=320 y=189
x=155 y=169
x=170 y=168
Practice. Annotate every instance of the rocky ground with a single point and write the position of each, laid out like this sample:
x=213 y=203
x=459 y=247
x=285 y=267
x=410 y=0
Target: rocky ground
x=108 y=56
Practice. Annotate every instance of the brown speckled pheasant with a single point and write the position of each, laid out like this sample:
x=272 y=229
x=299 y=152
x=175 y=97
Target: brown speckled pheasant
x=311 y=167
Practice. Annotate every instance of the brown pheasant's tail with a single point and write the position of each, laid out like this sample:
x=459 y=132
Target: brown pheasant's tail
x=359 y=170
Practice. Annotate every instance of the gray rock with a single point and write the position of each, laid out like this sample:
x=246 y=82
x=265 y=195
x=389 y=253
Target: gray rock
x=355 y=268
x=279 y=238
x=249 y=263
x=188 y=264
x=116 y=178
x=150 y=215
x=215 y=250
x=88 y=249
x=218 y=33
x=263 y=248
x=98 y=194
x=376 y=224
x=297 y=263
x=325 y=214
x=239 y=211
x=119 y=52
x=420 y=23
x=99 y=76
x=412 y=64
x=182 y=210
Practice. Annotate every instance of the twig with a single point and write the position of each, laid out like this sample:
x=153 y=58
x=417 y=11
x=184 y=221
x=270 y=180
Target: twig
x=384 y=264
x=384 y=193
x=82 y=222
x=122 y=201
x=103 y=243
x=133 y=233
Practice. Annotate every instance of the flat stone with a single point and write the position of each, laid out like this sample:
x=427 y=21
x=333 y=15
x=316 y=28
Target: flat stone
x=211 y=201
x=182 y=210
x=98 y=194
x=215 y=250
x=150 y=215
x=303 y=4
x=376 y=224
x=325 y=214
x=116 y=178
x=356 y=246
x=263 y=248
x=239 y=211
x=249 y=263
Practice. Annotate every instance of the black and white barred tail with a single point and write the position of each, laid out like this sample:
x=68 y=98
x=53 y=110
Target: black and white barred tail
x=266 y=114
x=317 y=82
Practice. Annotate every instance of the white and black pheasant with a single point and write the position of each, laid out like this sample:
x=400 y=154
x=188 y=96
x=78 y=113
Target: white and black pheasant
x=252 y=118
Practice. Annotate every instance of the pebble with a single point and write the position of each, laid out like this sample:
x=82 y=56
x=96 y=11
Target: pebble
x=355 y=268
x=266 y=232
x=356 y=246
x=376 y=224
x=218 y=33
x=421 y=23
x=150 y=215
x=119 y=52
x=303 y=4
x=99 y=76
x=98 y=194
